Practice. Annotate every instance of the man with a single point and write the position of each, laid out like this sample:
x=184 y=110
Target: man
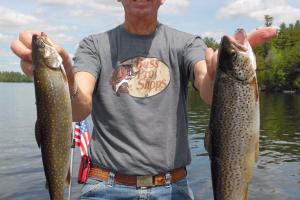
x=133 y=79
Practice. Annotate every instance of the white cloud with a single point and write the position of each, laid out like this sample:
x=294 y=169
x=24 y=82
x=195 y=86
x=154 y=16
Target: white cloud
x=86 y=8
x=111 y=7
x=174 y=6
x=63 y=38
x=10 y=66
x=215 y=35
x=5 y=53
x=59 y=29
x=4 y=37
x=7 y=62
x=59 y=2
x=11 y=18
x=110 y=11
x=13 y=21
x=281 y=10
x=60 y=34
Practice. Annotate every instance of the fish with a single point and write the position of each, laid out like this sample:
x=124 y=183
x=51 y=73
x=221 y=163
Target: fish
x=232 y=137
x=53 y=128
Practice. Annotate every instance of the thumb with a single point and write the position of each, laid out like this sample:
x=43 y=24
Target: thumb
x=66 y=59
x=261 y=35
x=63 y=53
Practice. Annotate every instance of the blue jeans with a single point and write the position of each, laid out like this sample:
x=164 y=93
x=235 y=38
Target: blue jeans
x=95 y=189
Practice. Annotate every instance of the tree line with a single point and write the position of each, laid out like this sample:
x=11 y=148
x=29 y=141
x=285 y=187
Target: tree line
x=13 y=77
x=278 y=61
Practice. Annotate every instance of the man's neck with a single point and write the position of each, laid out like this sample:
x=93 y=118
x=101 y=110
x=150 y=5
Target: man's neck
x=140 y=26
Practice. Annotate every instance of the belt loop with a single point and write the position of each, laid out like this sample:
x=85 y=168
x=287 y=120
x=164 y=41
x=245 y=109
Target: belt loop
x=168 y=179
x=111 y=178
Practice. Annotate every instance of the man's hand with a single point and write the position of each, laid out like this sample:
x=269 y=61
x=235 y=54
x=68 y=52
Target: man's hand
x=82 y=104
x=22 y=48
x=205 y=70
x=255 y=38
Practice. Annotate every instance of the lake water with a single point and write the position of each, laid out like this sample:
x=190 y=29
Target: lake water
x=276 y=175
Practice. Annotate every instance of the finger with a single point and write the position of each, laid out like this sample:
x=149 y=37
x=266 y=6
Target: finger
x=26 y=37
x=62 y=52
x=21 y=50
x=261 y=36
x=66 y=58
x=27 y=68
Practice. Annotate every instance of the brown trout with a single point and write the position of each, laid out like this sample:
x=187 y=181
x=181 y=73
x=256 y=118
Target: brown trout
x=54 y=115
x=232 y=139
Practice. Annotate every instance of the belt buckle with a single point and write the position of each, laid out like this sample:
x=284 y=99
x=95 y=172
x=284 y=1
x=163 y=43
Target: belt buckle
x=144 y=181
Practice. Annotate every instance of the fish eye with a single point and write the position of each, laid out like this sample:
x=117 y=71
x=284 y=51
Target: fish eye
x=233 y=53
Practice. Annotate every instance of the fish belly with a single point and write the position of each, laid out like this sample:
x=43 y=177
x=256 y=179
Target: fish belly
x=54 y=127
x=234 y=128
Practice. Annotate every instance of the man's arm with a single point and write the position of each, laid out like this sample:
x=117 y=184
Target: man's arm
x=82 y=101
x=203 y=82
x=83 y=82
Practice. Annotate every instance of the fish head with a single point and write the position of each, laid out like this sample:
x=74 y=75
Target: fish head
x=236 y=57
x=44 y=53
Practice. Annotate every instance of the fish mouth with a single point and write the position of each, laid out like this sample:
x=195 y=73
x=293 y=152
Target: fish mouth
x=40 y=41
x=37 y=41
x=234 y=51
x=232 y=45
x=43 y=50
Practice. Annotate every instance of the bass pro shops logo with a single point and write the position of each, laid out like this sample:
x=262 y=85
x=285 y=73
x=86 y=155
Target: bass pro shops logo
x=141 y=77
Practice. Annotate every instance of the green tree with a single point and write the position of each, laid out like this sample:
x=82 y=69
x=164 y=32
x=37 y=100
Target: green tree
x=293 y=66
x=276 y=73
x=268 y=20
x=211 y=42
x=13 y=77
x=278 y=61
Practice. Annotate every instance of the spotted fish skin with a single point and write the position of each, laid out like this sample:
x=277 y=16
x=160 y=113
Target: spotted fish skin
x=232 y=138
x=54 y=114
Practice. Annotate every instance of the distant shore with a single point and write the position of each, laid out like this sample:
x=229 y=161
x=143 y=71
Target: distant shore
x=14 y=77
x=17 y=77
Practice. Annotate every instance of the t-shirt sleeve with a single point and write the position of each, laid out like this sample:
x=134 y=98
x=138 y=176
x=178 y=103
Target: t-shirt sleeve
x=194 y=51
x=87 y=58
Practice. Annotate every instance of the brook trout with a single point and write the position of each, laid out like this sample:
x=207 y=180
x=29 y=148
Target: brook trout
x=54 y=115
x=232 y=139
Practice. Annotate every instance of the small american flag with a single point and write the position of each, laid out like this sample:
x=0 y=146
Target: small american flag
x=82 y=137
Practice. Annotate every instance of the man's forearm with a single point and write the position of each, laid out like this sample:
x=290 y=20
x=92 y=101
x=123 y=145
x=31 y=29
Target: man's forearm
x=81 y=103
x=206 y=89
x=203 y=82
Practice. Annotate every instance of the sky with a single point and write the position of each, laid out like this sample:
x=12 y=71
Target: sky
x=68 y=21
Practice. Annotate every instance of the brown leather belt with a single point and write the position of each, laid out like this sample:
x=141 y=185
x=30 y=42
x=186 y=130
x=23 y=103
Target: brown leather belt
x=139 y=181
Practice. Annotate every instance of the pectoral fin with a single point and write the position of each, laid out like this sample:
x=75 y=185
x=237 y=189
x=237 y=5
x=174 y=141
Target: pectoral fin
x=207 y=141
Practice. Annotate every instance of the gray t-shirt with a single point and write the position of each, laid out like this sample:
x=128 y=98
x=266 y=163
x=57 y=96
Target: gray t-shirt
x=139 y=102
